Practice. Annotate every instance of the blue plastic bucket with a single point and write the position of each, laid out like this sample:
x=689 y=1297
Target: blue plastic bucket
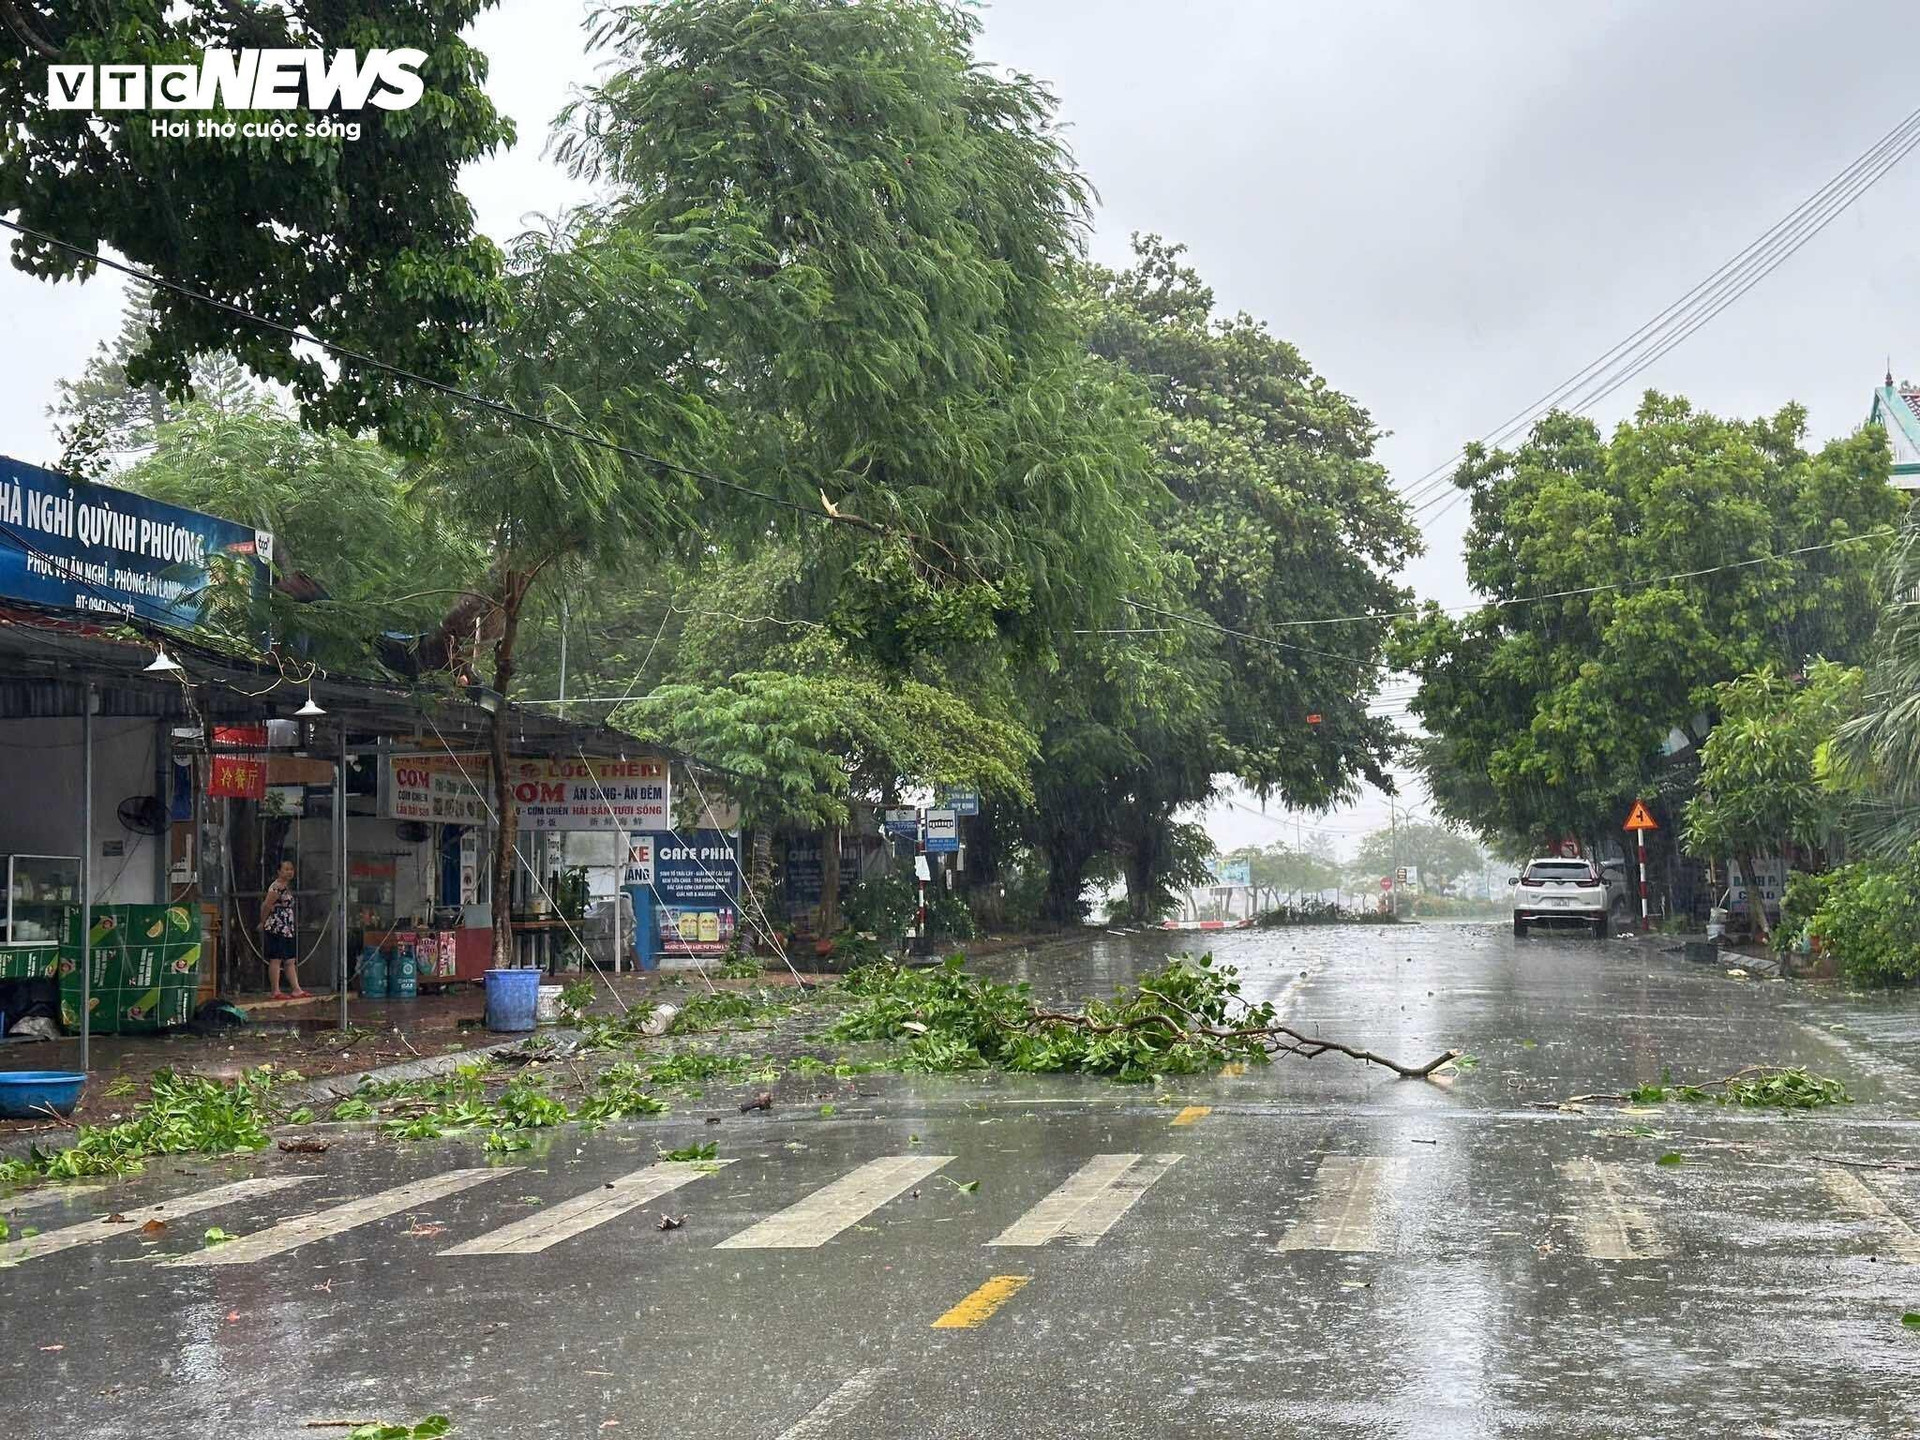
x=29 y=1094
x=512 y=998
x=403 y=976
x=373 y=974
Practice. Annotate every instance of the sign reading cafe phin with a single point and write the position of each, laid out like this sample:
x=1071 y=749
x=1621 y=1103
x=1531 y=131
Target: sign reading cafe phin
x=74 y=545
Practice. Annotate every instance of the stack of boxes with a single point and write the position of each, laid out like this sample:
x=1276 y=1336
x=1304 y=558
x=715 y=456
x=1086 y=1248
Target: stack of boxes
x=145 y=968
x=29 y=961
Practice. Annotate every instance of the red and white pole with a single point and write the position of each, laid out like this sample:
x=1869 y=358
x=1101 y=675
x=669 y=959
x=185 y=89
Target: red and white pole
x=920 y=919
x=1641 y=836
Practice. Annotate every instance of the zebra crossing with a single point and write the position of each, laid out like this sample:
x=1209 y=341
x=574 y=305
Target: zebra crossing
x=1347 y=1205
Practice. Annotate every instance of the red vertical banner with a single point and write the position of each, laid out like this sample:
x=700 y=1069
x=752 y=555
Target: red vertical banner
x=239 y=777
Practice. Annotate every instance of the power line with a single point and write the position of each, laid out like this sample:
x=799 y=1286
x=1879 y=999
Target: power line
x=1198 y=623
x=452 y=392
x=1876 y=534
x=1639 y=364
x=1685 y=315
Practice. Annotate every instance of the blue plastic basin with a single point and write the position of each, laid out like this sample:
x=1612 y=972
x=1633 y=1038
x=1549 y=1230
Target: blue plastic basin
x=29 y=1094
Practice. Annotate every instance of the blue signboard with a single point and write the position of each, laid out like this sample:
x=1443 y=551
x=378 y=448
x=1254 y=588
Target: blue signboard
x=943 y=832
x=73 y=545
x=961 y=802
x=1231 y=872
x=696 y=888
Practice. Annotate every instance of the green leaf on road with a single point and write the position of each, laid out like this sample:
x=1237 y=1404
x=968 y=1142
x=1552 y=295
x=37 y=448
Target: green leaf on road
x=1911 y=1319
x=1672 y=1157
x=216 y=1236
x=692 y=1152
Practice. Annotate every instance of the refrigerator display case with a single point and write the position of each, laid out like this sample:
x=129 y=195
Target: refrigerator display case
x=40 y=890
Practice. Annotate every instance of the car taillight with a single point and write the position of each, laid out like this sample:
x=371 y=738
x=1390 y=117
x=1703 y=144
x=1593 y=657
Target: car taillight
x=1529 y=880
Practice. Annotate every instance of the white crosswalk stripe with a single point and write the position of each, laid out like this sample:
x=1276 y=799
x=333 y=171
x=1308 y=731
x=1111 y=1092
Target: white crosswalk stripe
x=166 y=1212
x=1607 y=1224
x=1088 y=1203
x=1343 y=1212
x=51 y=1195
x=832 y=1208
x=823 y=1417
x=537 y=1232
x=1854 y=1195
x=305 y=1229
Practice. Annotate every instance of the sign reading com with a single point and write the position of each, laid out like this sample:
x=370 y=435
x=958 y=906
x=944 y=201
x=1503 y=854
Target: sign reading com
x=248 y=80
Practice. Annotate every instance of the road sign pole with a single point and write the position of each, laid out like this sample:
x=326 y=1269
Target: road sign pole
x=1641 y=836
x=1639 y=821
x=920 y=878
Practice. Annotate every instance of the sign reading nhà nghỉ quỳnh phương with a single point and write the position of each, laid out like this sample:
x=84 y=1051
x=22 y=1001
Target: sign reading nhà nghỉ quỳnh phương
x=72 y=545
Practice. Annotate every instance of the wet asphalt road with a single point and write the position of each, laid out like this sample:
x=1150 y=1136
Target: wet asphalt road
x=1311 y=1248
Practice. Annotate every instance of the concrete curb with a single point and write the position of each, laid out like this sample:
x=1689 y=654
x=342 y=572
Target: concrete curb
x=329 y=1088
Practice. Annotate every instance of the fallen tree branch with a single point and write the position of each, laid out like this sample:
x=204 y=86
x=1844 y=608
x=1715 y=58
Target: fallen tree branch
x=1307 y=1047
x=1863 y=1164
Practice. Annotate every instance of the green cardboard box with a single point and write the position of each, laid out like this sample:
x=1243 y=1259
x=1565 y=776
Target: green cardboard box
x=176 y=1007
x=180 y=965
x=140 y=967
x=138 y=1012
x=29 y=962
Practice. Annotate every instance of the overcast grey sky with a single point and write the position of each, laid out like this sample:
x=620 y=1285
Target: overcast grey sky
x=1449 y=207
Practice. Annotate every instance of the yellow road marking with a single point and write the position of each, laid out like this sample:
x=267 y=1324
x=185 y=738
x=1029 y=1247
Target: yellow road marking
x=1233 y=1071
x=978 y=1307
x=1192 y=1113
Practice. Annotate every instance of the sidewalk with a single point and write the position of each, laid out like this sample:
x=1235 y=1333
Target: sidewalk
x=304 y=1035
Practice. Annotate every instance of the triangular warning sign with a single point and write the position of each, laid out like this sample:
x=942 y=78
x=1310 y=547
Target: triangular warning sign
x=1639 y=818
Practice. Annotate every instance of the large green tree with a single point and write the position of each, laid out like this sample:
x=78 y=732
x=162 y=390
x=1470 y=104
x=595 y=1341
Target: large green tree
x=592 y=342
x=1624 y=578
x=355 y=552
x=1442 y=853
x=104 y=418
x=366 y=242
x=876 y=227
x=879 y=229
x=1764 y=789
x=1271 y=510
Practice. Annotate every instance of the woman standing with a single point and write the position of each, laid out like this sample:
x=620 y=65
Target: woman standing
x=279 y=929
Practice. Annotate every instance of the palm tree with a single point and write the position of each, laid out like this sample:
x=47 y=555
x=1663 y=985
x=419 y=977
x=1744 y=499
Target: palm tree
x=1876 y=755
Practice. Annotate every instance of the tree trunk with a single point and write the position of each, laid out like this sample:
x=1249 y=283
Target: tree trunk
x=1067 y=859
x=1756 y=906
x=829 y=880
x=513 y=591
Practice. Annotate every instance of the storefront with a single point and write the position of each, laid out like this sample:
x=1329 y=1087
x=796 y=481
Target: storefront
x=166 y=781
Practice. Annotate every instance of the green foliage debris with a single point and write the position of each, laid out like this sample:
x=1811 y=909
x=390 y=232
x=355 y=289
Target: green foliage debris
x=1760 y=1086
x=691 y=1153
x=185 y=1115
x=949 y=1020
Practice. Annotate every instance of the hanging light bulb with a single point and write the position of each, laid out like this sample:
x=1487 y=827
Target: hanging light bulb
x=311 y=708
x=163 y=664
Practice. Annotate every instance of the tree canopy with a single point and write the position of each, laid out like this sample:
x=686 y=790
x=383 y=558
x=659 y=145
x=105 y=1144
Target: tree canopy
x=1764 y=787
x=1270 y=509
x=1624 y=578
x=876 y=228
x=1441 y=852
x=368 y=242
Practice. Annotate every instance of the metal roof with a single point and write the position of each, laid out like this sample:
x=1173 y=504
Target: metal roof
x=47 y=657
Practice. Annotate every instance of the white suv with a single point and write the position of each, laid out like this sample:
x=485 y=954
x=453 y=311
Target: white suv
x=1559 y=892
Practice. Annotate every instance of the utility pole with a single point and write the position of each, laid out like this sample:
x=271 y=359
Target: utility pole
x=563 y=663
x=1393 y=826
